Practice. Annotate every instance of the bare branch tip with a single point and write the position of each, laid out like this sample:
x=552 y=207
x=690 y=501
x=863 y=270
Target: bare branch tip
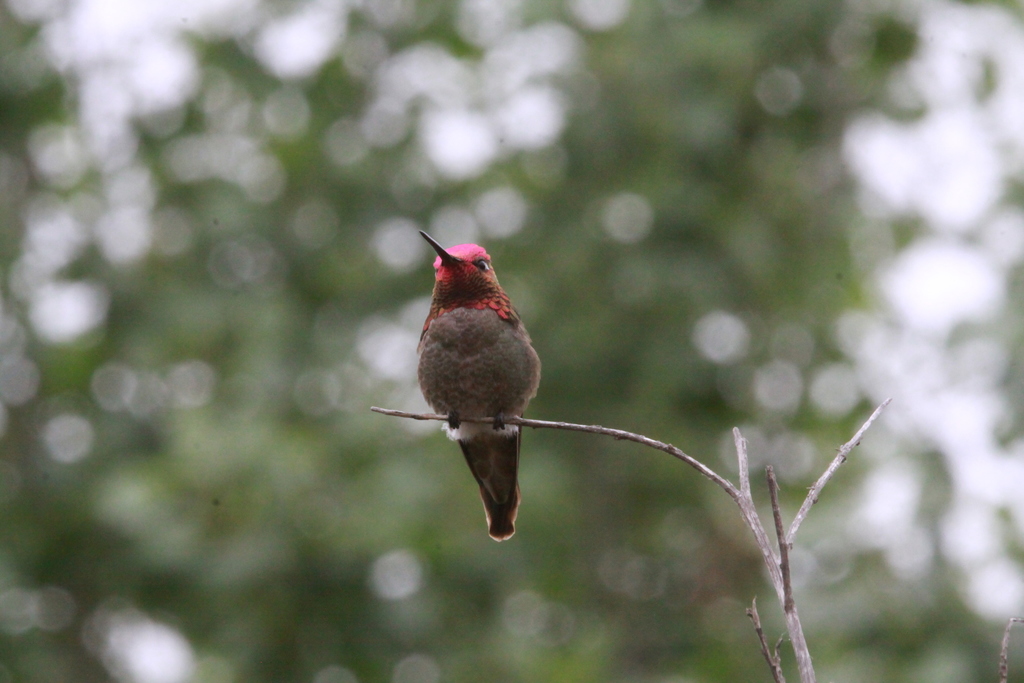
x=778 y=644
x=774 y=660
x=1004 y=651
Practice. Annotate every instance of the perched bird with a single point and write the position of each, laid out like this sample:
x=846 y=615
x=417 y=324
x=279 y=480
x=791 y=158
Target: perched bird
x=476 y=361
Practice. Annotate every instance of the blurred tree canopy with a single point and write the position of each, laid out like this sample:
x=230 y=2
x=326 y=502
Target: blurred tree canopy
x=211 y=271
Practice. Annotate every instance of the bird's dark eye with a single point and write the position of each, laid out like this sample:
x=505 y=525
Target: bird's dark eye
x=482 y=264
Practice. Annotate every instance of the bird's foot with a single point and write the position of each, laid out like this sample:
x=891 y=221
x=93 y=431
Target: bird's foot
x=499 y=422
x=453 y=419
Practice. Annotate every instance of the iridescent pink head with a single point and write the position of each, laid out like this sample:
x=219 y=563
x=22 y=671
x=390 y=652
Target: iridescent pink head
x=460 y=261
x=464 y=252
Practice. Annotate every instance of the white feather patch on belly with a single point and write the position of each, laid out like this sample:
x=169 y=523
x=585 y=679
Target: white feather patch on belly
x=470 y=430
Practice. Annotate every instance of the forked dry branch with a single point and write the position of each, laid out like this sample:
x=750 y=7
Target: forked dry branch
x=777 y=562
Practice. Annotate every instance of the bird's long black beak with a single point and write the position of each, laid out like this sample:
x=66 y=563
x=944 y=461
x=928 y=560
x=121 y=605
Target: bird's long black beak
x=446 y=258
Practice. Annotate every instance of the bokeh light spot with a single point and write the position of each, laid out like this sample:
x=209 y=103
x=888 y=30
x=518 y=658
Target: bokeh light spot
x=416 y=668
x=138 y=649
x=344 y=143
x=834 y=390
x=389 y=350
x=335 y=674
x=996 y=589
x=779 y=91
x=627 y=217
x=68 y=437
x=527 y=615
x=936 y=284
x=396 y=575
x=778 y=386
x=113 y=386
x=501 y=211
x=363 y=52
x=248 y=260
x=599 y=15
x=191 y=383
x=315 y=223
x=721 y=337
x=398 y=244
x=483 y=22
x=124 y=234
x=532 y=118
x=454 y=225
x=636 y=576
x=296 y=46
x=461 y=143
x=58 y=154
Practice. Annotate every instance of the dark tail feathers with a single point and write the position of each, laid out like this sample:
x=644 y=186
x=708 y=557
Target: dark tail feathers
x=493 y=458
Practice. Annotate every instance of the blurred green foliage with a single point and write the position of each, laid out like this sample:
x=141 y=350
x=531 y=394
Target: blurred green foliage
x=264 y=522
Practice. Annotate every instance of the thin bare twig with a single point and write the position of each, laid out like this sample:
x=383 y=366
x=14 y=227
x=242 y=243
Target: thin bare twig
x=844 y=451
x=795 y=628
x=617 y=434
x=1004 y=654
x=773 y=658
x=744 y=502
x=778 y=644
x=749 y=512
x=780 y=534
x=744 y=464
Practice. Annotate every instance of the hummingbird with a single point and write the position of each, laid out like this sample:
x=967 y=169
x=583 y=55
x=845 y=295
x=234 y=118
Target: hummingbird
x=476 y=360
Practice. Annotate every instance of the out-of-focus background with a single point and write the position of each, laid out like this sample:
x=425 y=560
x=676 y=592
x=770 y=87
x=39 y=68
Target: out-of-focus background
x=710 y=213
